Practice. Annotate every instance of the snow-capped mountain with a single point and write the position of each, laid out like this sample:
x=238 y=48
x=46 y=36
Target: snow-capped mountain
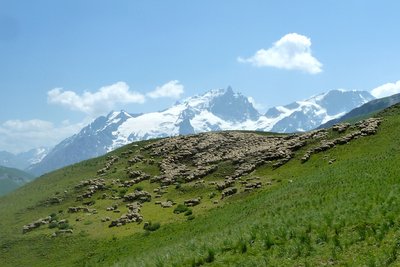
x=23 y=160
x=216 y=110
x=93 y=140
x=308 y=114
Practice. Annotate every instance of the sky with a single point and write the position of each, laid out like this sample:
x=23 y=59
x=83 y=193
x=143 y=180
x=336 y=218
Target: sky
x=63 y=63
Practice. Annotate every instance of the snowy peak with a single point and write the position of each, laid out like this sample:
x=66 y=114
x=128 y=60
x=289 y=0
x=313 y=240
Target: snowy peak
x=223 y=103
x=35 y=155
x=339 y=101
x=115 y=116
x=106 y=123
x=233 y=107
x=310 y=113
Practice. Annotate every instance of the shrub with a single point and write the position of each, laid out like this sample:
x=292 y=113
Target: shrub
x=196 y=263
x=139 y=188
x=178 y=186
x=190 y=217
x=180 y=208
x=242 y=246
x=53 y=225
x=212 y=195
x=151 y=226
x=188 y=212
x=322 y=237
x=210 y=256
x=64 y=226
x=122 y=192
x=268 y=241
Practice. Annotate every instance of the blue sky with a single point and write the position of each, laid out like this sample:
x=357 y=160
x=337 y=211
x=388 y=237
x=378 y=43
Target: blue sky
x=189 y=46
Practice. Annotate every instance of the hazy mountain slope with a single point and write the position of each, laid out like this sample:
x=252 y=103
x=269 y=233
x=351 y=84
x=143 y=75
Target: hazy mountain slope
x=92 y=141
x=23 y=160
x=365 y=110
x=8 y=159
x=11 y=179
x=340 y=203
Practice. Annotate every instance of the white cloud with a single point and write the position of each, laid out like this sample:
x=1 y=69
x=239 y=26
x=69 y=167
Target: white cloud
x=292 y=52
x=99 y=102
x=18 y=136
x=172 y=89
x=386 y=89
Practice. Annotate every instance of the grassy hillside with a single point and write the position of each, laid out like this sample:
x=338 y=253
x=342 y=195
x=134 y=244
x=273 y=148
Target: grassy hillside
x=338 y=208
x=11 y=179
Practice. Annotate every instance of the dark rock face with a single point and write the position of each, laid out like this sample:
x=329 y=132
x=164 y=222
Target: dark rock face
x=233 y=107
x=185 y=127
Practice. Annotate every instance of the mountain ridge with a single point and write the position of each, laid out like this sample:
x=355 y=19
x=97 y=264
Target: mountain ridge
x=23 y=160
x=366 y=109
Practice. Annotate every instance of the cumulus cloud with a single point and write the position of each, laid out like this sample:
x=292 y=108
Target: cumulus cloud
x=172 y=89
x=292 y=52
x=18 y=136
x=386 y=89
x=99 y=102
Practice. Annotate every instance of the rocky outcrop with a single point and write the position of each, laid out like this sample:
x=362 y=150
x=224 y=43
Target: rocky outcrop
x=360 y=129
x=141 y=196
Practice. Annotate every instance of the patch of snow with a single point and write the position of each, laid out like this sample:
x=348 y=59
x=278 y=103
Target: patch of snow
x=328 y=118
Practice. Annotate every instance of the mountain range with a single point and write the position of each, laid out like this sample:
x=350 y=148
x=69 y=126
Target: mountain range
x=365 y=110
x=23 y=160
x=215 y=110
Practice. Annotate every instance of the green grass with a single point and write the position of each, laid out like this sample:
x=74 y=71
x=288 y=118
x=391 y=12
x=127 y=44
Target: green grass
x=314 y=214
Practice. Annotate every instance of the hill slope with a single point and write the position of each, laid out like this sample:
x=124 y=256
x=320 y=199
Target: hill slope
x=11 y=179
x=323 y=205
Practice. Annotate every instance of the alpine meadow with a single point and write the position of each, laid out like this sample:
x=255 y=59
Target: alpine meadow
x=199 y=133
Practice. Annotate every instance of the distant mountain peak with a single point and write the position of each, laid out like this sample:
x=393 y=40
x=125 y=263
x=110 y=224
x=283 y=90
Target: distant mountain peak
x=230 y=91
x=118 y=115
x=24 y=159
x=310 y=113
x=233 y=107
